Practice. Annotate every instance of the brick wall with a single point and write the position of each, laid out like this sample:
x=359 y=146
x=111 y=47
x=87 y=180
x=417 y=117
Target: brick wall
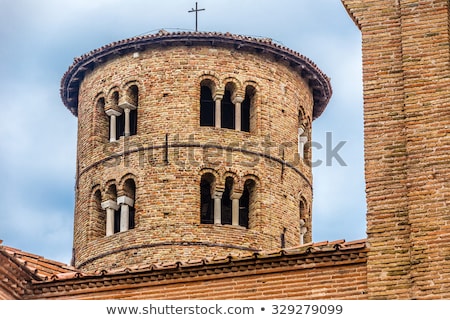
x=168 y=179
x=407 y=137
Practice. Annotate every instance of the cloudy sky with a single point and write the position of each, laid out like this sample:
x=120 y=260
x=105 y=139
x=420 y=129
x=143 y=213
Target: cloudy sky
x=39 y=40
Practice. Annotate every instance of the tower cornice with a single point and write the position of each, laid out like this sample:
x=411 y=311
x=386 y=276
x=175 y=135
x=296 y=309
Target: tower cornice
x=317 y=80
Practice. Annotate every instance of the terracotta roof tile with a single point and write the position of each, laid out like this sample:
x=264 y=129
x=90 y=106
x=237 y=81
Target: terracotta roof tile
x=35 y=264
x=49 y=270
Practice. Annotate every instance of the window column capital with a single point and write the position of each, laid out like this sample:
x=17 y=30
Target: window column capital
x=218 y=95
x=217 y=194
x=236 y=195
x=126 y=105
x=237 y=99
x=125 y=200
x=110 y=204
x=112 y=112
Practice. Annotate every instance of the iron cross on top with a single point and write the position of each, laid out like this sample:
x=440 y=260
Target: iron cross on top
x=196 y=10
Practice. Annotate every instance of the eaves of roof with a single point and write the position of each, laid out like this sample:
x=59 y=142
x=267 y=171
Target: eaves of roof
x=308 y=256
x=317 y=80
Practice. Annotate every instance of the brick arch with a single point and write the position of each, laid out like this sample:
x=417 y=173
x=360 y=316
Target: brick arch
x=250 y=107
x=112 y=101
x=108 y=190
x=207 y=104
x=229 y=174
x=302 y=118
x=207 y=188
x=122 y=184
x=212 y=171
x=127 y=84
x=100 y=95
x=234 y=85
x=304 y=208
x=97 y=216
x=248 y=176
x=99 y=122
x=210 y=80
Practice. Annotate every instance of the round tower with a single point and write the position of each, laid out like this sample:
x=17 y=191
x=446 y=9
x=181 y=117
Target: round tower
x=191 y=145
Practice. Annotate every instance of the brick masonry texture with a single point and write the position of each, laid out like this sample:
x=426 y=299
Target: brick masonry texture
x=167 y=173
x=406 y=99
x=327 y=270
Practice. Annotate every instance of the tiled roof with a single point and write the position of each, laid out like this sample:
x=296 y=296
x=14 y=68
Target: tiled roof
x=43 y=277
x=318 y=81
x=312 y=250
x=38 y=266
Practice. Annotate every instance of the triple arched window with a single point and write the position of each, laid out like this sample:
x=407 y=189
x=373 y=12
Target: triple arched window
x=228 y=109
x=227 y=205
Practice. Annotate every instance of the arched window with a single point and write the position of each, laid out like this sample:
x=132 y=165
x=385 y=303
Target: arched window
x=247 y=202
x=226 y=208
x=98 y=216
x=302 y=209
x=127 y=202
x=206 y=199
x=112 y=211
x=227 y=110
x=101 y=120
x=120 y=120
x=133 y=96
x=304 y=216
x=246 y=108
x=207 y=107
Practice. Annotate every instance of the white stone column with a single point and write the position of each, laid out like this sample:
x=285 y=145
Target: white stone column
x=218 y=114
x=127 y=107
x=125 y=204
x=302 y=140
x=303 y=231
x=110 y=206
x=217 y=207
x=113 y=114
x=237 y=112
x=235 y=208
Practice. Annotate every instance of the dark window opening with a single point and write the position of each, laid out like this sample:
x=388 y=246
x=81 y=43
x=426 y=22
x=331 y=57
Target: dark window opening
x=120 y=125
x=206 y=201
x=99 y=225
x=227 y=111
x=131 y=223
x=117 y=221
x=245 y=109
x=133 y=94
x=302 y=209
x=130 y=191
x=207 y=107
x=246 y=202
x=227 y=202
x=133 y=122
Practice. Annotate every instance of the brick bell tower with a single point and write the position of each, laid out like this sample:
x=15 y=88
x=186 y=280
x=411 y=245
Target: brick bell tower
x=191 y=145
x=406 y=67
